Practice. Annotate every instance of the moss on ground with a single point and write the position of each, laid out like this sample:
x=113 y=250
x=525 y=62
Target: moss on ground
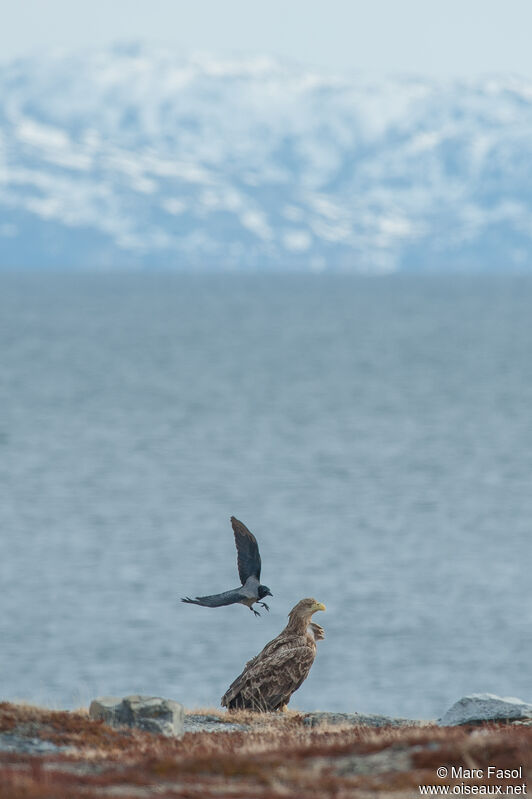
x=278 y=757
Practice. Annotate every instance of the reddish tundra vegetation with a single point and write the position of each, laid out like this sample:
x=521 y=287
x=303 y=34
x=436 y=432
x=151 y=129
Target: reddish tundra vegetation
x=279 y=756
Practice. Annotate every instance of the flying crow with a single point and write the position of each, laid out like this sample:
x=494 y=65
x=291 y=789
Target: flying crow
x=248 y=560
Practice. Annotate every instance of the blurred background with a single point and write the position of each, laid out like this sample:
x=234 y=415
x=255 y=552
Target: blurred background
x=272 y=262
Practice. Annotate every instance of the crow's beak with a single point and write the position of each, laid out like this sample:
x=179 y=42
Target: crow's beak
x=269 y=593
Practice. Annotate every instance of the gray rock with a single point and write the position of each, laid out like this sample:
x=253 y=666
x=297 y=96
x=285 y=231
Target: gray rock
x=205 y=722
x=11 y=742
x=375 y=763
x=485 y=707
x=108 y=709
x=148 y=713
x=314 y=719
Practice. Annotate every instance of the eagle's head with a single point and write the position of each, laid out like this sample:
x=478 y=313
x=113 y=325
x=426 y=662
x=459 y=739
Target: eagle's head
x=305 y=608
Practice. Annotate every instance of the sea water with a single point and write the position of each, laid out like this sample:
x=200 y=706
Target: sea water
x=374 y=433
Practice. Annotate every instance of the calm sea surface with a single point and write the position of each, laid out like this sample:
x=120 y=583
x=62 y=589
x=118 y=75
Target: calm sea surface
x=375 y=434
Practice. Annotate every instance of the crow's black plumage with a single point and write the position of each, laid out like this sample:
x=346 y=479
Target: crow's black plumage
x=249 y=565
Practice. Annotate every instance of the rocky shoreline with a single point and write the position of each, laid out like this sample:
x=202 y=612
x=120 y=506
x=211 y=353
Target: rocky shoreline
x=49 y=754
x=167 y=717
x=199 y=722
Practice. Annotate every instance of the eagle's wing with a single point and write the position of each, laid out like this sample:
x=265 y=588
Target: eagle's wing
x=248 y=559
x=269 y=680
x=217 y=600
x=317 y=631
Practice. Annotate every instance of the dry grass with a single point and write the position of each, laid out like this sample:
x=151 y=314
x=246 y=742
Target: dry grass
x=279 y=757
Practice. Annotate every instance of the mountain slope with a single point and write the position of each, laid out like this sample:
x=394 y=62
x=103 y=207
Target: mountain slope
x=135 y=156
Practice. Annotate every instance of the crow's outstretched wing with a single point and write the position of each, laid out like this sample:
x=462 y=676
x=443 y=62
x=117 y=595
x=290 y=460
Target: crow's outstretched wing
x=217 y=600
x=248 y=559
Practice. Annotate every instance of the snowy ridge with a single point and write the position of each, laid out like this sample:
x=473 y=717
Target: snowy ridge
x=136 y=156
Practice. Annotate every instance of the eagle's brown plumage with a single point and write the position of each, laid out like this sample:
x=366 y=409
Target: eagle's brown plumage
x=317 y=631
x=271 y=677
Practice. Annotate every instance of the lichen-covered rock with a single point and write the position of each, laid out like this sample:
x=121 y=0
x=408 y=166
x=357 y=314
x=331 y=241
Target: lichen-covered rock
x=10 y=742
x=148 y=713
x=108 y=709
x=364 y=719
x=373 y=763
x=485 y=707
x=206 y=722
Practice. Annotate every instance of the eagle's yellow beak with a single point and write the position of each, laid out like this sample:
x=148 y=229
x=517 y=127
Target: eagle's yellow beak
x=319 y=606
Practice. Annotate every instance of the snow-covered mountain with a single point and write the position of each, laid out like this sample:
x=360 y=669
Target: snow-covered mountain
x=135 y=156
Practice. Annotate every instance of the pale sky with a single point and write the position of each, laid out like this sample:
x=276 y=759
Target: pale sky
x=443 y=38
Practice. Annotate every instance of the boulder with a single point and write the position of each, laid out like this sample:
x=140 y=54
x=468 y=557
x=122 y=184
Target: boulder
x=148 y=713
x=108 y=709
x=485 y=707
